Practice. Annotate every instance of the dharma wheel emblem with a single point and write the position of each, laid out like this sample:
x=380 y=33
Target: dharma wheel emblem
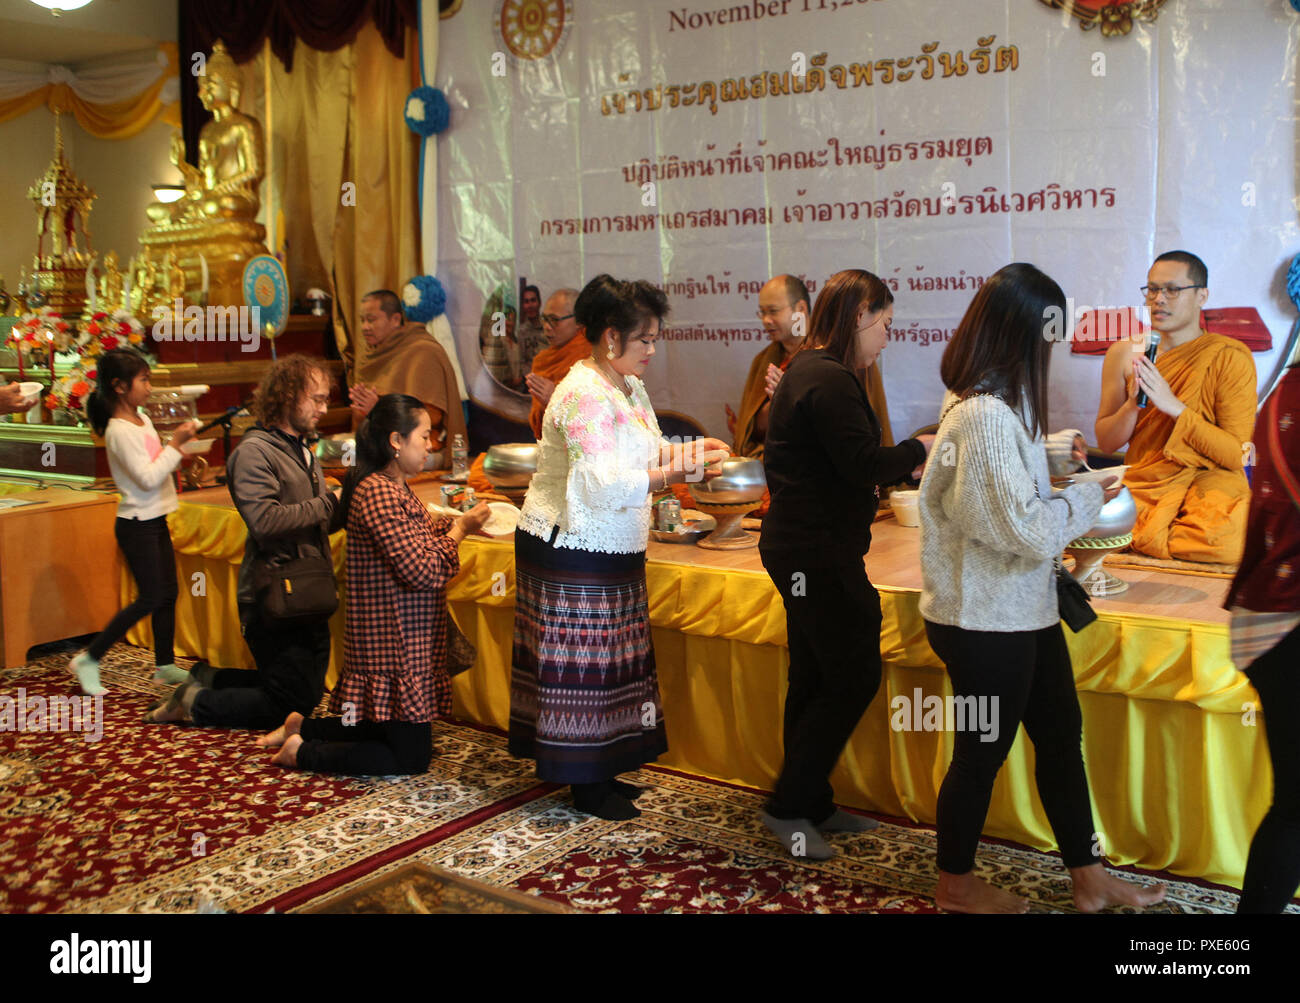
x=1114 y=18
x=533 y=29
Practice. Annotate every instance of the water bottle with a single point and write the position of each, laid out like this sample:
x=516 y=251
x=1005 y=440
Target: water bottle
x=459 y=456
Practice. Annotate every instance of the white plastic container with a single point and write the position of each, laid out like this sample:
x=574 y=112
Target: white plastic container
x=906 y=506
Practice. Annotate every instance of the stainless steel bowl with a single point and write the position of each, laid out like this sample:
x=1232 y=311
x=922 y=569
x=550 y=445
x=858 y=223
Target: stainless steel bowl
x=741 y=481
x=511 y=464
x=1117 y=516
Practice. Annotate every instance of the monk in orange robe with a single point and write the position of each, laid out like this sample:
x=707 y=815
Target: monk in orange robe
x=783 y=307
x=403 y=358
x=565 y=345
x=1188 y=446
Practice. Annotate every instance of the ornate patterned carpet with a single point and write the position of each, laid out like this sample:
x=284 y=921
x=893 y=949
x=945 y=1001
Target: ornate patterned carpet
x=167 y=819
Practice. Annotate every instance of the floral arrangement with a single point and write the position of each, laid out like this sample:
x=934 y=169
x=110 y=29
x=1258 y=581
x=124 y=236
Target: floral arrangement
x=427 y=112
x=104 y=332
x=424 y=298
x=72 y=388
x=34 y=336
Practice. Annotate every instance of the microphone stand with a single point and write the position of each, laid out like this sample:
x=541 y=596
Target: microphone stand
x=226 y=422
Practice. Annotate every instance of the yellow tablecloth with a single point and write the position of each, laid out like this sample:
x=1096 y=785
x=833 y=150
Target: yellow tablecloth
x=1179 y=773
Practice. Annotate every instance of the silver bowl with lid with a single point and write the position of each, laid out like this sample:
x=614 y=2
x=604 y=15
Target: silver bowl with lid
x=742 y=480
x=511 y=465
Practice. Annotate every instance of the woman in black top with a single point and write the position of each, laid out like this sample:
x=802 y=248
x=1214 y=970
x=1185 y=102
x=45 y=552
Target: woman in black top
x=824 y=463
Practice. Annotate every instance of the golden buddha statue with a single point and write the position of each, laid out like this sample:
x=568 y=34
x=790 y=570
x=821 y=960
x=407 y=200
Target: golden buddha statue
x=217 y=215
x=170 y=212
x=110 y=284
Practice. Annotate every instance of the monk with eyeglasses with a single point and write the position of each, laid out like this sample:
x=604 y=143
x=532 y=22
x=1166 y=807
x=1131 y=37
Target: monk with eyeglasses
x=1188 y=447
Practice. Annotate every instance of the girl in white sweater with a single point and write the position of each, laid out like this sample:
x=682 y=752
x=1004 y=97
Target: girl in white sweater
x=991 y=529
x=142 y=468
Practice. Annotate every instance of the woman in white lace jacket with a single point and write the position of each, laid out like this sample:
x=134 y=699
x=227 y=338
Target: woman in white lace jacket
x=584 y=696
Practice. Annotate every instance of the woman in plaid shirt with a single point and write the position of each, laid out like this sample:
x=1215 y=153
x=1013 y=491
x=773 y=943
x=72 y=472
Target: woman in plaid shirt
x=399 y=562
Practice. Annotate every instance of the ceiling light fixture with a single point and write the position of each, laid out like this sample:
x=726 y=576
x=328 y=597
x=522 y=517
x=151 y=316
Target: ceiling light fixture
x=57 y=7
x=168 y=193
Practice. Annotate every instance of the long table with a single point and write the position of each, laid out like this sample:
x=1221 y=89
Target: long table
x=1176 y=759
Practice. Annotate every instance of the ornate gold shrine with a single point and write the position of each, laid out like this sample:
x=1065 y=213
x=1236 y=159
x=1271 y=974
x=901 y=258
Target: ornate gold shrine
x=63 y=203
x=217 y=216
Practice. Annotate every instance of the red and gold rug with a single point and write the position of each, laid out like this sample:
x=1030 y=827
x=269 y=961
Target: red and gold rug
x=165 y=819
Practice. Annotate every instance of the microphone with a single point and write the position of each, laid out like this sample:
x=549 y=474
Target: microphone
x=231 y=414
x=1153 y=343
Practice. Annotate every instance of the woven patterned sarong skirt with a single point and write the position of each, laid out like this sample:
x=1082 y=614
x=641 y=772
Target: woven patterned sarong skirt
x=584 y=696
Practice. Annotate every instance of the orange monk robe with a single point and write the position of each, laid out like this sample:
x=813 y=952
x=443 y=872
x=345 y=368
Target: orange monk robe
x=1187 y=475
x=554 y=364
x=410 y=361
x=749 y=443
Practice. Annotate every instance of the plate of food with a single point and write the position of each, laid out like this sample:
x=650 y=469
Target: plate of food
x=503 y=520
x=694 y=525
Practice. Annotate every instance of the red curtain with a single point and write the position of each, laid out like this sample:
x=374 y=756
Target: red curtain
x=244 y=25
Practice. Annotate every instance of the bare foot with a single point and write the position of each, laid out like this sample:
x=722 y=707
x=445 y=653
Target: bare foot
x=273 y=740
x=1095 y=888
x=968 y=893
x=288 y=754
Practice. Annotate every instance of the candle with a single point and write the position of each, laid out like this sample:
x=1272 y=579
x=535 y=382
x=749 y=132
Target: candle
x=49 y=337
x=203 y=272
x=18 y=351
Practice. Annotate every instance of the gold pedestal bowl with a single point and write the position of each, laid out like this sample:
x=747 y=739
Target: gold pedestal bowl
x=1112 y=532
x=729 y=497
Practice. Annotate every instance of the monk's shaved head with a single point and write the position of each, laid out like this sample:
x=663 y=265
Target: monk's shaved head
x=1197 y=273
x=560 y=304
x=783 y=305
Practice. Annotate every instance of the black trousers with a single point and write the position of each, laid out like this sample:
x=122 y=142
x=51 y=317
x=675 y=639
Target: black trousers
x=1273 y=867
x=1028 y=674
x=290 y=676
x=365 y=748
x=832 y=618
x=147 y=546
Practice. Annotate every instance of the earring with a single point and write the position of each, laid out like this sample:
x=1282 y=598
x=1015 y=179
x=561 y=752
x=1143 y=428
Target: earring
x=610 y=354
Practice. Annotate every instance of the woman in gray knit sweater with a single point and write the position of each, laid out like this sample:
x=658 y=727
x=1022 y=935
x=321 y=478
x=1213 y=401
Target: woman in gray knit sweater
x=991 y=528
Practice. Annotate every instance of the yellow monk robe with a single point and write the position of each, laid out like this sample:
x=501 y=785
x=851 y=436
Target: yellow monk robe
x=410 y=361
x=554 y=364
x=1187 y=476
x=748 y=442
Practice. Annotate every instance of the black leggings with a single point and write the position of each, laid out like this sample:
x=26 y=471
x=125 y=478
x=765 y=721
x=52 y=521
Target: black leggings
x=1028 y=674
x=1273 y=867
x=832 y=618
x=147 y=546
x=366 y=748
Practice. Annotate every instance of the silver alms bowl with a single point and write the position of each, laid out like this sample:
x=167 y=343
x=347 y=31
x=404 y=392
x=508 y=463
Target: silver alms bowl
x=741 y=481
x=511 y=464
x=1117 y=516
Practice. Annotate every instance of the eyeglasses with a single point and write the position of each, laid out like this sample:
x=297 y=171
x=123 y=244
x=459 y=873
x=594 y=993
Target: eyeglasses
x=764 y=314
x=551 y=320
x=1171 y=292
